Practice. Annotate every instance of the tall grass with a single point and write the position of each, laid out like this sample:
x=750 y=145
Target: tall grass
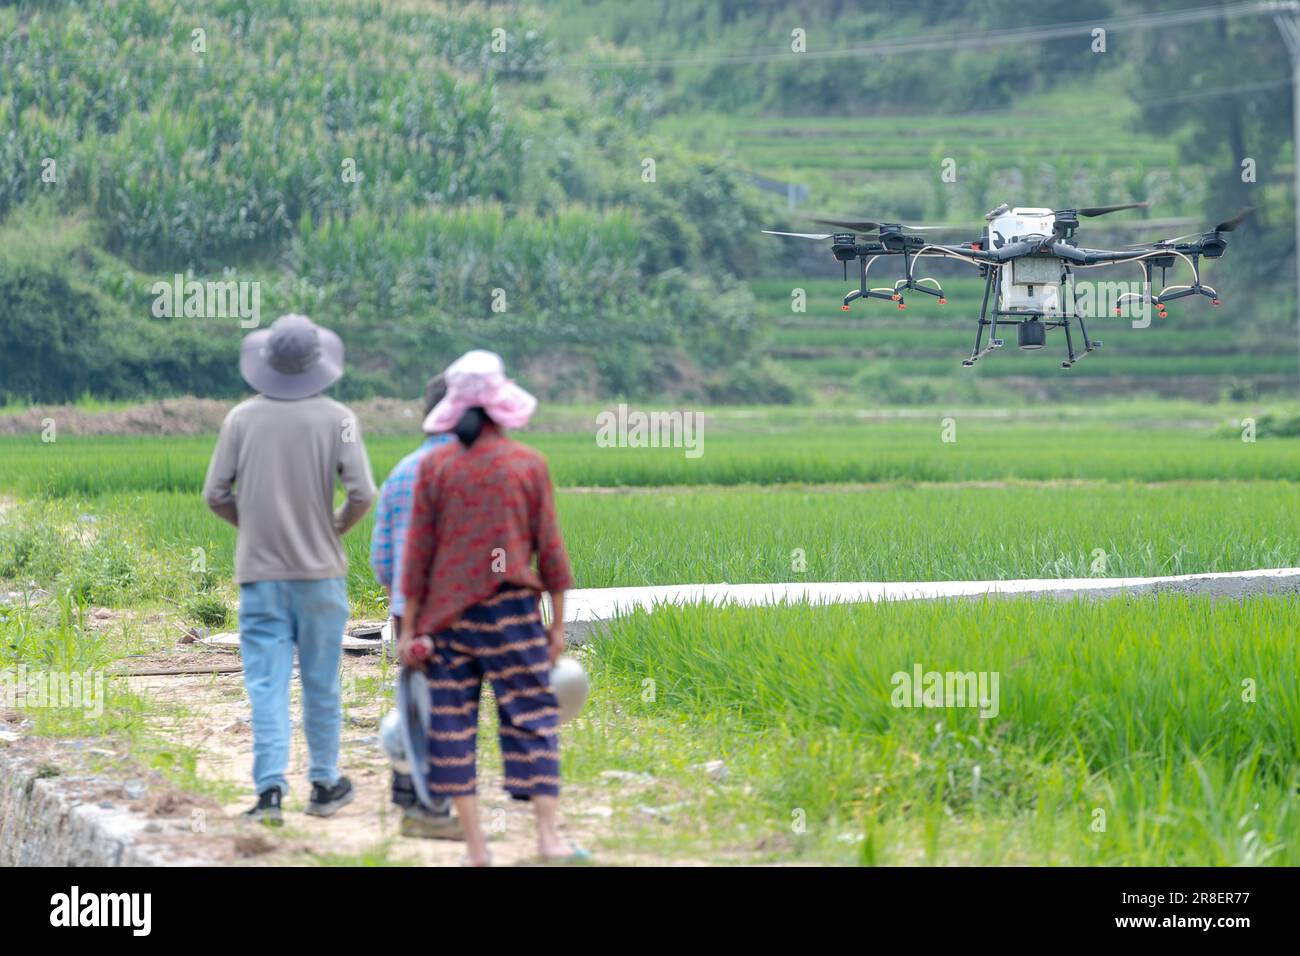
x=119 y=549
x=1138 y=708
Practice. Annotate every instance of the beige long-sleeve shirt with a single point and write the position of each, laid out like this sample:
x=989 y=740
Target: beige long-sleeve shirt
x=272 y=476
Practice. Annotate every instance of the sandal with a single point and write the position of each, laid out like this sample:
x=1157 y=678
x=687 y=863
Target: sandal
x=576 y=855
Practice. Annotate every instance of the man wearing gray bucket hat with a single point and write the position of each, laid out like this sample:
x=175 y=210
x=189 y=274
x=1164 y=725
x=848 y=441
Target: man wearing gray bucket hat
x=273 y=477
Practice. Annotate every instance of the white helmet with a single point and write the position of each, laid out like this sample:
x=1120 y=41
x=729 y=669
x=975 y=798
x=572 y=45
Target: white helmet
x=569 y=684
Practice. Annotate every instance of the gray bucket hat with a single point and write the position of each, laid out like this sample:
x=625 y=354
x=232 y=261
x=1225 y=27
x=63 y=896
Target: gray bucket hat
x=292 y=359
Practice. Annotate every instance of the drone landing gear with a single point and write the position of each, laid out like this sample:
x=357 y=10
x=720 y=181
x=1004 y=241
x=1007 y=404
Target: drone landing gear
x=1031 y=328
x=1031 y=333
x=894 y=294
x=1089 y=345
x=978 y=353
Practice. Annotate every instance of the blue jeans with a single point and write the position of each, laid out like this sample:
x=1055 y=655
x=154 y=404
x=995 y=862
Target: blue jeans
x=273 y=617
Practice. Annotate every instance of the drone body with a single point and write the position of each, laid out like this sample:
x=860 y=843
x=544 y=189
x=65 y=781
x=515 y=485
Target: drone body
x=1028 y=259
x=1033 y=283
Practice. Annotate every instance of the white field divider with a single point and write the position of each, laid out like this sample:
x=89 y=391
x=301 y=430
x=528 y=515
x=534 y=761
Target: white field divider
x=589 y=605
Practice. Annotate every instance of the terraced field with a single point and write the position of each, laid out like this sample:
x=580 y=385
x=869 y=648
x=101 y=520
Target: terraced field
x=889 y=165
x=838 y=156
x=923 y=346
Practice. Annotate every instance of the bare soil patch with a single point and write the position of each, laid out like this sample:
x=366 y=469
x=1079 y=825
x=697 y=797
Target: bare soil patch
x=210 y=713
x=203 y=416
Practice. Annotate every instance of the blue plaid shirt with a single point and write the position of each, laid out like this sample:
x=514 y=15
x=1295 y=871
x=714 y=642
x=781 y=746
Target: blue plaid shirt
x=391 y=519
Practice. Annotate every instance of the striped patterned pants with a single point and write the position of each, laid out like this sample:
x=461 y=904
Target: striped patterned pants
x=502 y=639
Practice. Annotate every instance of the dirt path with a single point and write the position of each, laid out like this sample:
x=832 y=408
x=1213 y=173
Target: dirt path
x=210 y=713
x=203 y=416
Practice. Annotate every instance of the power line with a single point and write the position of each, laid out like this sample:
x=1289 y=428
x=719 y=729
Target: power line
x=973 y=41
x=880 y=48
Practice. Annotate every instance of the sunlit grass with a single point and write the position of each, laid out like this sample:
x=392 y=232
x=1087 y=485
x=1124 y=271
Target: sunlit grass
x=166 y=546
x=1176 y=718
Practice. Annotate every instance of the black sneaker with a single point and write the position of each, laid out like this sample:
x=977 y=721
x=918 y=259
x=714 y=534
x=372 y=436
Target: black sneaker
x=404 y=790
x=327 y=801
x=267 y=809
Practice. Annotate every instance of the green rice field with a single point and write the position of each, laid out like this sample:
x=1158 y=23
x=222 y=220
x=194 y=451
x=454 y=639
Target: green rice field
x=1153 y=730
x=583 y=187
x=1125 y=732
x=1159 y=446
x=888 y=532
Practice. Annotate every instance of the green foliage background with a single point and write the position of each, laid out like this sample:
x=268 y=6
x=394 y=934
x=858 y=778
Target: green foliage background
x=229 y=163
x=521 y=170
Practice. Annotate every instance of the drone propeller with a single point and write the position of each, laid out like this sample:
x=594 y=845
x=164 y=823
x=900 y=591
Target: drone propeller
x=1227 y=225
x=867 y=225
x=857 y=225
x=800 y=235
x=1091 y=211
x=1237 y=219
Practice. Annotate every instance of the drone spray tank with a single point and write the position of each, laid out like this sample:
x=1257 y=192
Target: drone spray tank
x=1029 y=286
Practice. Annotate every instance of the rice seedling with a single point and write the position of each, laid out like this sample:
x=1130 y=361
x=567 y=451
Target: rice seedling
x=797 y=450
x=155 y=545
x=1130 y=712
x=907 y=533
x=1172 y=720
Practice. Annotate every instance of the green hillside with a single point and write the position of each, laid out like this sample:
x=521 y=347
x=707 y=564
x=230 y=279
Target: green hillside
x=383 y=167
x=576 y=185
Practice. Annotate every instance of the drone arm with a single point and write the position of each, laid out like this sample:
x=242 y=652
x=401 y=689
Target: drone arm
x=1093 y=257
x=995 y=256
x=974 y=257
x=1013 y=250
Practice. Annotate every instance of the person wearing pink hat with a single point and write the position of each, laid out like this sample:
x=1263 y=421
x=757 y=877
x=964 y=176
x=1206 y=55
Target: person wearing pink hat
x=478 y=379
x=483 y=511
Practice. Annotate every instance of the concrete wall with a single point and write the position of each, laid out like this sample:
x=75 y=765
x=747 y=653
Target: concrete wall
x=44 y=823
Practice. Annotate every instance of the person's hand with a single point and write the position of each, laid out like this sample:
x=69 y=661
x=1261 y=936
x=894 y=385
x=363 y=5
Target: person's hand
x=555 y=641
x=413 y=651
x=404 y=645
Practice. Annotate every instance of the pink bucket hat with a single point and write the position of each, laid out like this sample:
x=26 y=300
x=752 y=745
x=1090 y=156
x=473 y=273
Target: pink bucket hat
x=478 y=378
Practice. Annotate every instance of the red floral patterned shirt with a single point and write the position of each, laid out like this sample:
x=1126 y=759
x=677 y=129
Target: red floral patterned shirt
x=479 y=516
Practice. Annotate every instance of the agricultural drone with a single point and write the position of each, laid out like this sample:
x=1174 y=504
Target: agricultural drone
x=1028 y=258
